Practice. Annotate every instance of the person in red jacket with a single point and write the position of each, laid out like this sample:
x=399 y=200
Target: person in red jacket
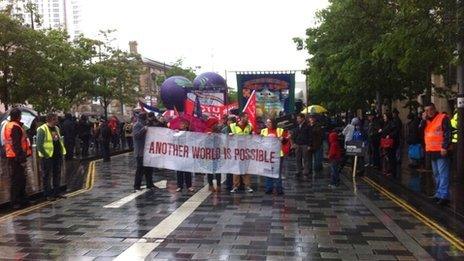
x=335 y=156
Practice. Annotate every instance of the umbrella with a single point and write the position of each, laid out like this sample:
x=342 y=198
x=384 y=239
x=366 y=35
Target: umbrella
x=314 y=109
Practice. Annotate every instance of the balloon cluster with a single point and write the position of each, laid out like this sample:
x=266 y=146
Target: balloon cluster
x=174 y=89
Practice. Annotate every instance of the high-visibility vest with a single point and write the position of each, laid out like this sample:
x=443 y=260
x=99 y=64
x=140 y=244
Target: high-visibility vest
x=454 y=125
x=8 y=140
x=239 y=131
x=433 y=133
x=279 y=131
x=48 y=142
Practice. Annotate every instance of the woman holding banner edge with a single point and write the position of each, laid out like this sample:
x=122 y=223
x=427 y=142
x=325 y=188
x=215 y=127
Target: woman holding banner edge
x=272 y=130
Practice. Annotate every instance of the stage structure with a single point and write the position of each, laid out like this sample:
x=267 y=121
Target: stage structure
x=275 y=92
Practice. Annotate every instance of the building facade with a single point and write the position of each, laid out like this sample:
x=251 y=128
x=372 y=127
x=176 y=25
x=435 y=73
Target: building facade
x=54 y=14
x=149 y=89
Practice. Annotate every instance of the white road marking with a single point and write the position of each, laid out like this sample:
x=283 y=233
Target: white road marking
x=162 y=184
x=144 y=246
x=125 y=200
x=119 y=203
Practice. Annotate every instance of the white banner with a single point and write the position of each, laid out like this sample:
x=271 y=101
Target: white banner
x=212 y=153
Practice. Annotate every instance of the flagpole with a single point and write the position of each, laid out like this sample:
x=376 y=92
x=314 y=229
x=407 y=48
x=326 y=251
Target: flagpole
x=248 y=101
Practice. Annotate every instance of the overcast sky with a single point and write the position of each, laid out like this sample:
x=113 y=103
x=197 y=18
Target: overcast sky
x=217 y=35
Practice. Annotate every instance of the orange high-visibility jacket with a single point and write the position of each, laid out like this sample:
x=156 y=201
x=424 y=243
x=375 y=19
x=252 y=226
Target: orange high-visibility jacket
x=25 y=145
x=433 y=133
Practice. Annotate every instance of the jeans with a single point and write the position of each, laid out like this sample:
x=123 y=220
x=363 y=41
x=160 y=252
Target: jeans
x=130 y=143
x=85 y=146
x=69 y=144
x=229 y=181
x=143 y=171
x=334 y=172
x=374 y=154
x=441 y=172
x=317 y=156
x=302 y=159
x=51 y=169
x=105 y=146
x=184 y=176
x=269 y=182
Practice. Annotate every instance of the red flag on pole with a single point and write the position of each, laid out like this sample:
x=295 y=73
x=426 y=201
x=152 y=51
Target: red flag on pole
x=250 y=109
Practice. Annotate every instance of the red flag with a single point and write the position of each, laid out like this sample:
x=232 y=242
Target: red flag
x=189 y=106
x=250 y=109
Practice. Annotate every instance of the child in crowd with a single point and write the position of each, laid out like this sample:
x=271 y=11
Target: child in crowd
x=335 y=156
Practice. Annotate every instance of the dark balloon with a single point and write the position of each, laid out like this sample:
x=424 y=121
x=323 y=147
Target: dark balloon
x=173 y=93
x=209 y=81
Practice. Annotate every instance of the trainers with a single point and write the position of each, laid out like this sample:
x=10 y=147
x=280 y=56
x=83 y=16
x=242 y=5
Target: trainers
x=234 y=190
x=249 y=190
x=332 y=186
x=191 y=189
x=178 y=189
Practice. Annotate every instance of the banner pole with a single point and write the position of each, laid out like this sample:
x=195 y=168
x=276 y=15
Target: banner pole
x=355 y=166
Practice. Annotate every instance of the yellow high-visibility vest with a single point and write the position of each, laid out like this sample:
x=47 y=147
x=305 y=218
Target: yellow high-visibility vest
x=454 y=125
x=279 y=131
x=239 y=131
x=48 y=142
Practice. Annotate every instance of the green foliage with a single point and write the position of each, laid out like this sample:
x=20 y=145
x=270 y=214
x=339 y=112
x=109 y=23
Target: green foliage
x=360 y=48
x=116 y=74
x=45 y=69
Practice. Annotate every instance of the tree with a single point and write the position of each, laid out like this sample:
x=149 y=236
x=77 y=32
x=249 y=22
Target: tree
x=117 y=74
x=362 y=50
x=18 y=52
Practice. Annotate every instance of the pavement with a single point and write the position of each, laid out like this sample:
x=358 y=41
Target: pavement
x=310 y=222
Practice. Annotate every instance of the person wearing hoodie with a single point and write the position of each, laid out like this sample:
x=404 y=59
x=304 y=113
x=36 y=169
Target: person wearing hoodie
x=349 y=129
x=139 y=133
x=335 y=156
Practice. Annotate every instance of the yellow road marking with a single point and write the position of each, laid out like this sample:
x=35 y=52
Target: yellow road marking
x=454 y=240
x=88 y=186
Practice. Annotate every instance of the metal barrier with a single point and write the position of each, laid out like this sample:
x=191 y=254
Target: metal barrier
x=33 y=176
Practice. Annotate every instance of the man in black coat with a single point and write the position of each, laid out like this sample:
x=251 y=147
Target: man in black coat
x=105 y=134
x=69 y=135
x=301 y=140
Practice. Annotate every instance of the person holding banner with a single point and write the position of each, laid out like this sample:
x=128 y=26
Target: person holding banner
x=183 y=175
x=139 y=134
x=243 y=127
x=271 y=130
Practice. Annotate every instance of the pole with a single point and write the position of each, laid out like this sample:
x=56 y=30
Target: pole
x=460 y=100
x=355 y=165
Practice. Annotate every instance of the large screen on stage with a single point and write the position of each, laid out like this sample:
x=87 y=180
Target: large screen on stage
x=275 y=92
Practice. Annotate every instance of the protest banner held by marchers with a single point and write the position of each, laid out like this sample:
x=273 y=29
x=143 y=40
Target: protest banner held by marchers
x=212 y=153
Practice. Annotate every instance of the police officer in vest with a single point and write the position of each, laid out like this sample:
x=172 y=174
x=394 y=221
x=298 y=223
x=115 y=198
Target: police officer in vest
x=51 y=150
x=437 y=136
x=17 y=149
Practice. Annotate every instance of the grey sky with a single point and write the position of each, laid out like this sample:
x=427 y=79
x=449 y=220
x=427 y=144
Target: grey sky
x=217 y=35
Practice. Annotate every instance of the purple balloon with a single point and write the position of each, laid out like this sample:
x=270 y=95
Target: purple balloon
x=209 y=81
x=173 y=92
